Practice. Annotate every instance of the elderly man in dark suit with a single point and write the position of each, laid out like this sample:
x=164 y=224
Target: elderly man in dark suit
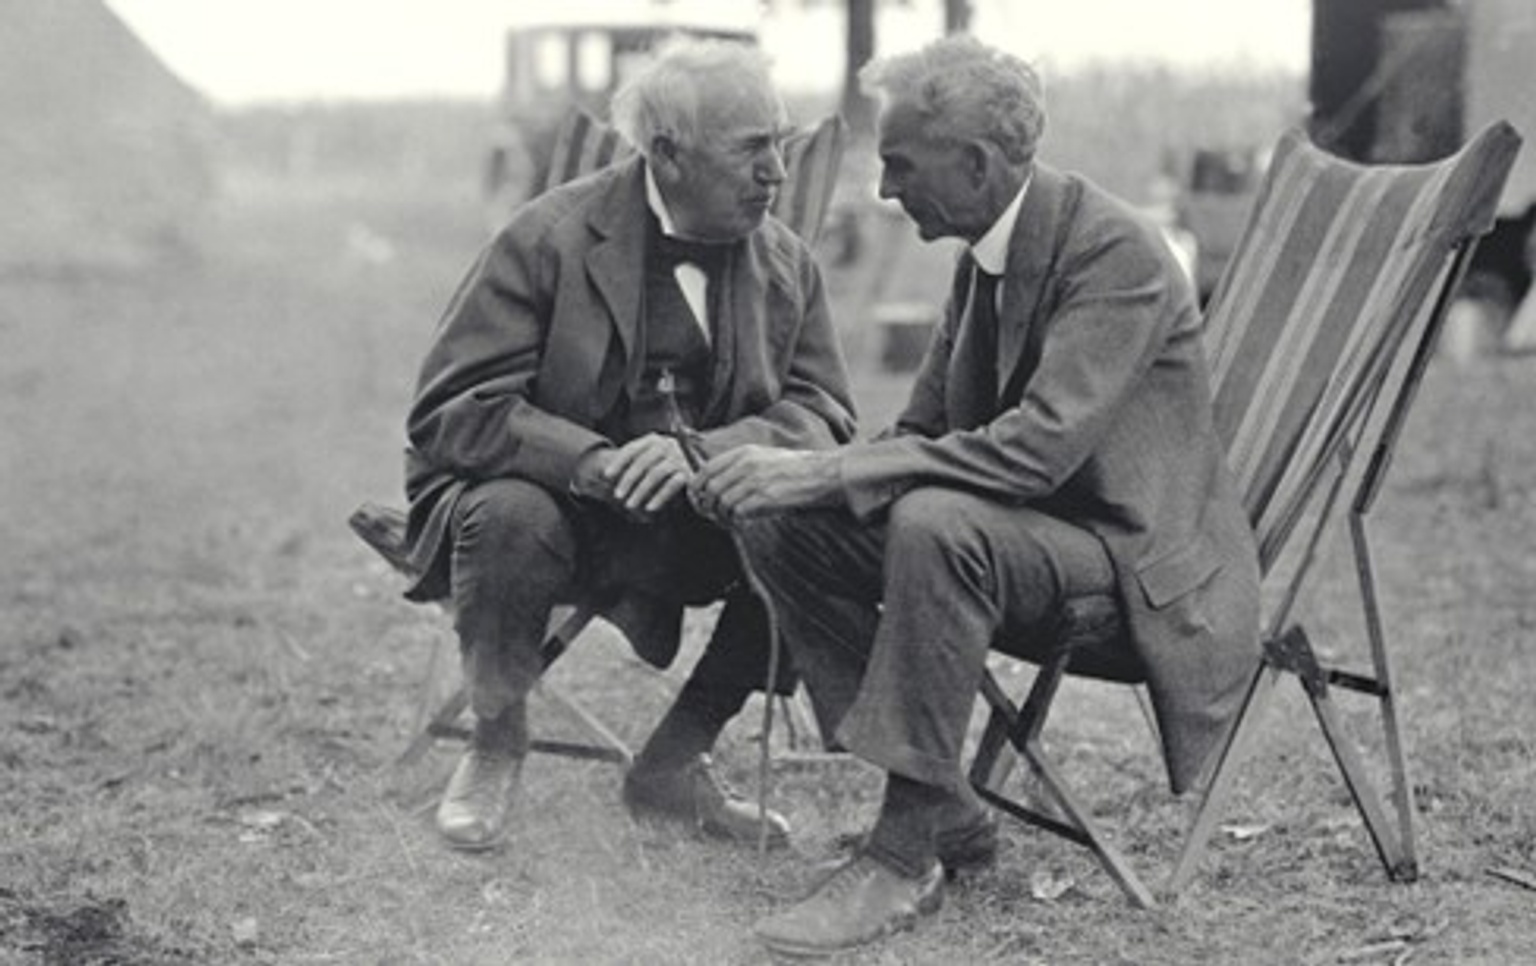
x=610 y=312
x=1058 y=441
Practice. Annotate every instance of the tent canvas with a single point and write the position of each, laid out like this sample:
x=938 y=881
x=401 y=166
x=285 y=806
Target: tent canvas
x=105 y=155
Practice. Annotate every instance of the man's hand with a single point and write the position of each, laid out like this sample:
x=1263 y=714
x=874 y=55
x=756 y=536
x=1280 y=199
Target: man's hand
x=754 y=480
x=641 y=477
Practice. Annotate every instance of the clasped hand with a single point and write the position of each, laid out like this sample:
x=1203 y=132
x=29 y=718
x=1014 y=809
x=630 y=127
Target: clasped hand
x=640 y=477
x=754 y=480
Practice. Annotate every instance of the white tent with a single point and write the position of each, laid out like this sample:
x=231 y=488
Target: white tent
x=105 y=155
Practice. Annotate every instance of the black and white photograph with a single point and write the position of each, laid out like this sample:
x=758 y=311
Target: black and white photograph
x=652 y=482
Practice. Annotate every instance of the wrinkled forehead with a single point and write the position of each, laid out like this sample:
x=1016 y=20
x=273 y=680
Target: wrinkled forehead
x=740 y=102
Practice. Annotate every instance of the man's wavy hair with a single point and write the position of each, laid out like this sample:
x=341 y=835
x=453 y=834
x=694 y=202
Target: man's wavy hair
x=966 y=89
x=662 y=98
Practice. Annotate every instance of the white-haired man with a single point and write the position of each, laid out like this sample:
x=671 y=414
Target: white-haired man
x=542 y=454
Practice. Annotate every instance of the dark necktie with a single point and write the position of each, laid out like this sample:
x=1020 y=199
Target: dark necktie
x=984 y=333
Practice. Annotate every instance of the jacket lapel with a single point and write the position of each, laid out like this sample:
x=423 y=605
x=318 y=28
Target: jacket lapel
x=615 y=263
x=742 y=327
x=1032 y=253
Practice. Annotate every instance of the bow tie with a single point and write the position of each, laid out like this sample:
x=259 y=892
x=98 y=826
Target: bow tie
x=674 y=251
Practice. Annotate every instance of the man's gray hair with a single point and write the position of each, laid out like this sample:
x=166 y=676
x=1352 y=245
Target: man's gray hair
x=966 y=89
x=663 y=97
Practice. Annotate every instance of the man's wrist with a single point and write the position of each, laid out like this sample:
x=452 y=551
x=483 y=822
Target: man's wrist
x=587 y=475
x=826 y=477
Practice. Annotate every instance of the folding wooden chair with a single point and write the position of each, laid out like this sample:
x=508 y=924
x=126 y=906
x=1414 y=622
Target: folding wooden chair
x=1318 y=335
x=584 y=144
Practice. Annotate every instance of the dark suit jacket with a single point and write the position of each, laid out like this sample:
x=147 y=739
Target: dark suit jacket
x=541 y=338
x=1105 y=420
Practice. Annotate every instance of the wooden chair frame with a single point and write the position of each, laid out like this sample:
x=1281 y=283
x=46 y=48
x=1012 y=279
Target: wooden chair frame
x=1383 y=376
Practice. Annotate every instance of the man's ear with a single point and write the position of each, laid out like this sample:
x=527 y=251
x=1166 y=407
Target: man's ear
x=664 y=155
x=978 y=162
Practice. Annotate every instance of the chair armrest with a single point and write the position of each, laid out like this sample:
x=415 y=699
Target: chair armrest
x=383 y=529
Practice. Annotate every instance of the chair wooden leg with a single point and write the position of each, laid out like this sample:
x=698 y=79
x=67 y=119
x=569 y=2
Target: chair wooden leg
x=610 y=747
x=1294 y=653
x=1394 y=857
x=1223 y=777
x=993 y=761
x=1113 y=861
x=1020 y=731
x=441 y=725
x=1406 y=867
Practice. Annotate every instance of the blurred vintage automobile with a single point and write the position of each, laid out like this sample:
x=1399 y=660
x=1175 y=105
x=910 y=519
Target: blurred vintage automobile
x=576 y=54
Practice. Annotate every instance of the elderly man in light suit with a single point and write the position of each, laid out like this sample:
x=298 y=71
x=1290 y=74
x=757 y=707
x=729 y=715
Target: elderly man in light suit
x=1058 y=442
x=610 y=312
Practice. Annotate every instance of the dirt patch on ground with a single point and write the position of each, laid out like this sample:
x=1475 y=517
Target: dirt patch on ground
x=85 y=931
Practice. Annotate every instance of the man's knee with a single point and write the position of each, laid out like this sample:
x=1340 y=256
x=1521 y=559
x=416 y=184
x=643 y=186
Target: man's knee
x=933 y=519
x=510 y=519
x=939 y=534
x=798 y=543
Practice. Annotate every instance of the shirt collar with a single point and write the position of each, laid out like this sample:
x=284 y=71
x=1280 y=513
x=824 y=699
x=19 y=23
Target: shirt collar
x=991 y=250
x=658 y=203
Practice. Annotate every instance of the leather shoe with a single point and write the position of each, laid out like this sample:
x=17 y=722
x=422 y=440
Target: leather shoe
x=693 y=794
x=473 y=813
x=861 y=901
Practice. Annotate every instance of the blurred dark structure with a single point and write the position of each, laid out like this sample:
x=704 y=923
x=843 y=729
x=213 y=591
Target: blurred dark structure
x=1387 y=78
x=857 y=109
x=106 y=157
x=1406 y=80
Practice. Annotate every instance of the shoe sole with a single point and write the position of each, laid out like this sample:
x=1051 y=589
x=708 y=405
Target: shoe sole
x=486 y=845
x=926 y=906
x=645 y=813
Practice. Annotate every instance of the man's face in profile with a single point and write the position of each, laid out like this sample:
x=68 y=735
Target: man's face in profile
x=723 y=186
x=927 y=175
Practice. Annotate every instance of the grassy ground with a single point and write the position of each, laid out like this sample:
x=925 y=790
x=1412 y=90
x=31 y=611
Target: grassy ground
x=204 y=677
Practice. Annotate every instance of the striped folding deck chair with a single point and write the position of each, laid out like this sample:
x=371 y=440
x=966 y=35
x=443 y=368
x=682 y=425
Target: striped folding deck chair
x=1318 y=335
x=584 y=144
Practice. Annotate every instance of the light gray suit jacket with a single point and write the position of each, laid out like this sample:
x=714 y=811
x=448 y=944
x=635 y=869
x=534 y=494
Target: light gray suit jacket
x=1104 y=418
x=542 y=337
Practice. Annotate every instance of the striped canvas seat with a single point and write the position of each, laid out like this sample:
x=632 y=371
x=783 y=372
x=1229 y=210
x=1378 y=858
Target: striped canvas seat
x=1334 y=274
x=583 y=144
x=1317 y=336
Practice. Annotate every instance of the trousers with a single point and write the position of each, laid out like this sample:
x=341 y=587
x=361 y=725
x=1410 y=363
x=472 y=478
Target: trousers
x=889 y=623
x=518 y=550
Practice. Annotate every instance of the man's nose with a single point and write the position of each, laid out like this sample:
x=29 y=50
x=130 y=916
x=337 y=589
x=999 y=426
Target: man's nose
x=771 y=168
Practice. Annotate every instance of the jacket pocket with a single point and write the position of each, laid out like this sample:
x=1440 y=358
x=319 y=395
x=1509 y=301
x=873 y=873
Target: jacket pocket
x=1166 y=578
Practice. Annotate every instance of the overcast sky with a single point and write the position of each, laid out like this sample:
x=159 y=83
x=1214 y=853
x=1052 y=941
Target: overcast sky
x=238 y=51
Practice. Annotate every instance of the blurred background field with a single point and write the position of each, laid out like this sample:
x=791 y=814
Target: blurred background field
x=204 y=677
